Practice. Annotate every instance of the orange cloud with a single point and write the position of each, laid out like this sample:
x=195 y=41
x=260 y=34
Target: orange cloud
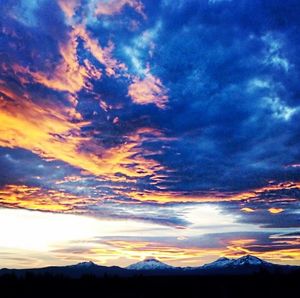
x=71 y=76
x=68 y=7
x=54 y=132
x=128 y=158
x=275 y=210
x=148 y=90
x=248 y=210
x=113 y=7
x=237 y=248
x=68 y=75
x=163 y=197
x=36 y=198
x=103 y=55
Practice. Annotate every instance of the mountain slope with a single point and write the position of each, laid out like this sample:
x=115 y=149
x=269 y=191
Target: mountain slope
x=150 y=264
x=74 y=271
x=247 y=260
x=245 y=265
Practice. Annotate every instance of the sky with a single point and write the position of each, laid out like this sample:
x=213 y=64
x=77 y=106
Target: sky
x=139 y=128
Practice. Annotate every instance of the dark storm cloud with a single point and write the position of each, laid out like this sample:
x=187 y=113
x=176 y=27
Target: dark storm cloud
x=23 y=167
x=230 y=97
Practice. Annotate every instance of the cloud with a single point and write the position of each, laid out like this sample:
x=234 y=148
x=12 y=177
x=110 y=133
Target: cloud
x=35 y=198
x=102 y=55
x=70 y=75
x=275 y=210
x=269 y=193
x=247 y=209
x=193 y=251
x=55 y=132
x=68 y=7
x=115 y=6
x=148 y=90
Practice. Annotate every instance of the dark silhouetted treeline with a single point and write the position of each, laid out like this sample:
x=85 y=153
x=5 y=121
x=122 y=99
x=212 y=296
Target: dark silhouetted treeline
x=260 y=285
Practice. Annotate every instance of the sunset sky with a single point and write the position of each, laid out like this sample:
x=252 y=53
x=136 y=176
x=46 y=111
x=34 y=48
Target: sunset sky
x=149 y=128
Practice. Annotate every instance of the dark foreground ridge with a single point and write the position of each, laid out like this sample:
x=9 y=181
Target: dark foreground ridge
x=262 y=285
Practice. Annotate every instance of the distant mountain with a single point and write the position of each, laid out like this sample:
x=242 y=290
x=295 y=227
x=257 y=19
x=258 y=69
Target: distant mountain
x=150 y=264
x=245 y=265
x=250 y=260
x=74 y=271
x=243 y=261
x=88 y=264
x=219 y=263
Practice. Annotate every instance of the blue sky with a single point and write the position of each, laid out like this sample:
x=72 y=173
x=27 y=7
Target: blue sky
x=178 y=119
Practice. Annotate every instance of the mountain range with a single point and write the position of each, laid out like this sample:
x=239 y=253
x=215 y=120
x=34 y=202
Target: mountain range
x=246 y=265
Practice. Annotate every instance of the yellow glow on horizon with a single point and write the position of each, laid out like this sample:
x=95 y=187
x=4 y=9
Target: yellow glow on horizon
x=275 y=210
x=42 y=239
x=248 y=210
x=43 y=231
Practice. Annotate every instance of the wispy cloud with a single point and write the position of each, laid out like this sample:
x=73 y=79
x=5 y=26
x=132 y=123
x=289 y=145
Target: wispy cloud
x=148 y=90
x=35 y=198
x=114 y=7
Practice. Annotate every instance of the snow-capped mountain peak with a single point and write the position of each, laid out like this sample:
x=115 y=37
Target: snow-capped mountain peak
x=248 y=260
x=220 y=263
x=224 y=262
x=149 y=264
x=85 y=264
